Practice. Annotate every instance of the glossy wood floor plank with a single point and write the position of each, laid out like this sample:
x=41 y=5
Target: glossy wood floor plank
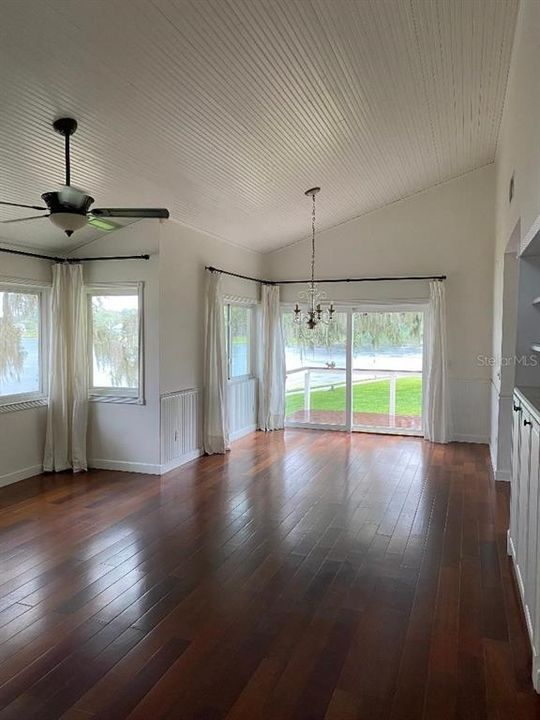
x=305 y=575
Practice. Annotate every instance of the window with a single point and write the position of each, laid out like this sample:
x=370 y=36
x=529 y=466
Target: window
x=238 y=338
x=115 y=343
x=22 y=345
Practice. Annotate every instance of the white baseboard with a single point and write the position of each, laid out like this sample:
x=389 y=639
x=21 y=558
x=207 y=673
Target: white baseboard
x=124 y=466
x=520 y=584
x=244 y=431
x=510 y=545
x=178 y=462
x=144 y=468
x=511 y=550
x=480 y=439
x=493 y=455
x=23 y=474
x=536 y=672
x=503 y=475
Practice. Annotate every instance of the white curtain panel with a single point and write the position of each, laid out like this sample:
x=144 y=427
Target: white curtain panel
x=272 y=370
x=437 y=400
x=65 y=444
x=215 y=418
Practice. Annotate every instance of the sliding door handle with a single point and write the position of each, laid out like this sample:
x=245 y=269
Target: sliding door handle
x=527 y=422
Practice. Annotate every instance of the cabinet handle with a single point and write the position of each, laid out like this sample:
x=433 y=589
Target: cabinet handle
x=527 y=422
x=517 y=408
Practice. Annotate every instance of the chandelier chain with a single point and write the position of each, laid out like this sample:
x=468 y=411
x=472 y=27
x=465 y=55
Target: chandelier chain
x=313 y=240
x=314 y=312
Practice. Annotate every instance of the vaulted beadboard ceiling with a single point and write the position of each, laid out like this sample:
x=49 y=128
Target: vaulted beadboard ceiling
x=225 y=111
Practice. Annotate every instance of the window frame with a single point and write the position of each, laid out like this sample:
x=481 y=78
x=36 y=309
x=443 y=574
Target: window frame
x=250 y=305
x=40 y=397
x=133 y=396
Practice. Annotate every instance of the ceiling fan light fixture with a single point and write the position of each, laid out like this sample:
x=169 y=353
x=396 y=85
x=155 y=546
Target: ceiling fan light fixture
x=68 y=221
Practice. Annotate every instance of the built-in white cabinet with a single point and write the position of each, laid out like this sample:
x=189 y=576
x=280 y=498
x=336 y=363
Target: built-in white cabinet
x=523 y=535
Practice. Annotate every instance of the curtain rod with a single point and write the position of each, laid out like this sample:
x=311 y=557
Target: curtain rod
x=243 y=277
x=73 y=260
x=364 y=279
x=330 y=280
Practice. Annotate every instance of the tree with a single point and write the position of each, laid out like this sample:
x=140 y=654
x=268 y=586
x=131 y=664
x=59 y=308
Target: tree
x=371 y=329
x=19 y=318
x=116 y=342
x=387 y=328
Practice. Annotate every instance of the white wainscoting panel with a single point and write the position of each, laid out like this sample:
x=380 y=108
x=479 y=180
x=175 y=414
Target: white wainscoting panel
x=470 y=402
x=181 y=415
x=242 y=404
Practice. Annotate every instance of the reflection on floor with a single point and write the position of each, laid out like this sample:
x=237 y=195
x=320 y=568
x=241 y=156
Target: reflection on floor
x=304 y=575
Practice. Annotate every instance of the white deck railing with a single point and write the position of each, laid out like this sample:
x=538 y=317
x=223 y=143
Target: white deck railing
x=371 y=375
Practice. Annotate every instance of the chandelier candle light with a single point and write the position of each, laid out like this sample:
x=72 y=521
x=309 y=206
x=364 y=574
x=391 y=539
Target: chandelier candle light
x=313 y=297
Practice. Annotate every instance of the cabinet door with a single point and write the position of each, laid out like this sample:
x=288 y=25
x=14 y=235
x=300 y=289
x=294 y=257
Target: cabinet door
x=523 y=509
x=514 y=485
x=532 y=535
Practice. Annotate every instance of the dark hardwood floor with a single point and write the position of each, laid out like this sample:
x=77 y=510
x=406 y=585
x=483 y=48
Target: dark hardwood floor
x=305 y=575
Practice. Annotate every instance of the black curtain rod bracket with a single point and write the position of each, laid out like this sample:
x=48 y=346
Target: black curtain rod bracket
x=326 y=280
x=54 y=258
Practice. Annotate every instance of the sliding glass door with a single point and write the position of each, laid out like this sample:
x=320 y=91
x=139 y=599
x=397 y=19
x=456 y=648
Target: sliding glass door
x=316 y=387
x=387 y=363
x=362 y=372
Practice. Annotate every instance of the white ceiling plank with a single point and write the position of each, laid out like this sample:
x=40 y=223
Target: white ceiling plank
x=225 y=111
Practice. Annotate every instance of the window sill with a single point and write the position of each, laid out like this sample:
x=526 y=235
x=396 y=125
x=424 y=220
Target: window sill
x=119 y=399
x=15 y=405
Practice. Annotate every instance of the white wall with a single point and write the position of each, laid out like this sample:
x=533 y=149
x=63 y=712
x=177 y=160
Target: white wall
x=126 y=436
x=518 y=149
x=22 y=432
x=448 y=230
x=518 y=153
x=184 y=252
x=182 y=278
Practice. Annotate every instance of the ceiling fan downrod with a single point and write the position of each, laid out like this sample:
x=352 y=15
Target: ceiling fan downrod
x=66 y=127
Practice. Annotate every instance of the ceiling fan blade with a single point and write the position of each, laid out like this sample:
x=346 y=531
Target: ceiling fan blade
x=131 y=212
x=31 y=217
x=32 y=207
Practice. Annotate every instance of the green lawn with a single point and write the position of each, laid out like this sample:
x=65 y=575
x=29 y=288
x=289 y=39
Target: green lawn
x=369 y=397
